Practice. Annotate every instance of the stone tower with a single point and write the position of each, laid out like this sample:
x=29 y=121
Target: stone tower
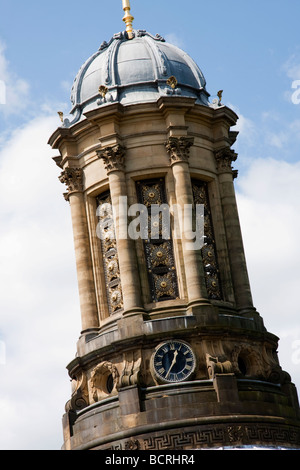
x=172 y=353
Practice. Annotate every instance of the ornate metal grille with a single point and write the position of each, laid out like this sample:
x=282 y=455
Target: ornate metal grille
x=158 y=246
x=208 y=251
x=106 y=233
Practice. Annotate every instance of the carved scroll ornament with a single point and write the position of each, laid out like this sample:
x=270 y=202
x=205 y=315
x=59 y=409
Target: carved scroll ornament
x=80 y=395
x=131 y=369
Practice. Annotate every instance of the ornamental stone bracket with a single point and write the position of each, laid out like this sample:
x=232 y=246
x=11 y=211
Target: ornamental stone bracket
x=218 y=365
x=131 y=369
x=224 y=158
x=113 y=158
x=73 y=178
x=178 y=148
x=80 y=396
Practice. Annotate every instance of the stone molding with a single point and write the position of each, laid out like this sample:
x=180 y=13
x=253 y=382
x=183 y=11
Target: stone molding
x=113 y=158
x=233 y=434
x=178 y=148
x=73 y=179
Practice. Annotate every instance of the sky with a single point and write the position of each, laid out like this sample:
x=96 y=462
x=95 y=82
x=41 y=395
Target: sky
x=249 y=49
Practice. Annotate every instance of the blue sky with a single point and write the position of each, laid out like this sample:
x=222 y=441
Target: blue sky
x=251 y=50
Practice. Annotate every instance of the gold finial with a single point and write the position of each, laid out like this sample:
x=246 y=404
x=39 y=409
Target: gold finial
x=128 y=18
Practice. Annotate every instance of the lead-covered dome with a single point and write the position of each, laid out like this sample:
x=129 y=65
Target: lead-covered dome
x=132 y=71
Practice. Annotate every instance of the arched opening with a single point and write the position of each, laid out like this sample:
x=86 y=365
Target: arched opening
x=109 y=383
x=242 y=366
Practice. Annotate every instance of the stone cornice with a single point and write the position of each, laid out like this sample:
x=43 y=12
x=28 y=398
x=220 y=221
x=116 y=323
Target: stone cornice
x=113 y=158
x=178 y=148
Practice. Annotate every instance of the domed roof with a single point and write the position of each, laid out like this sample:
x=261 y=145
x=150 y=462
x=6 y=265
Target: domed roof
x=131 y=71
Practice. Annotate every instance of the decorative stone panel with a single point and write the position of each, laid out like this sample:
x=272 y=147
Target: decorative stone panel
x=158 y=250
x=209 y=251
x=106 y=233
x=216 y=435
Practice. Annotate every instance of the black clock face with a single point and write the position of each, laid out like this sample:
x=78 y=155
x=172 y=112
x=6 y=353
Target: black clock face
x=173 y=361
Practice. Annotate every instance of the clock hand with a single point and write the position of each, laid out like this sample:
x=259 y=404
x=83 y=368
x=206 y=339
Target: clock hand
x=173 y=363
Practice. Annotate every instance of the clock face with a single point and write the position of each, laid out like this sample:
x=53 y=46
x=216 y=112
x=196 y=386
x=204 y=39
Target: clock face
x=173 y=361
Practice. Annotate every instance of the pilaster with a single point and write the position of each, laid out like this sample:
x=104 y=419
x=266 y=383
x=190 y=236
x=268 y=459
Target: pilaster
x=178 y=149
x=243 y=298
x=113 y=158
x=73 y=178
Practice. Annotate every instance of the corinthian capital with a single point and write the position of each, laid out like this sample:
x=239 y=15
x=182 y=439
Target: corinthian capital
x=179 y=148
x=113 y=158
x=224 y=159
x=73 y=178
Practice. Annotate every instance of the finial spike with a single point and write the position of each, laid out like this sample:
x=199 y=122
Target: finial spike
x=128 y=18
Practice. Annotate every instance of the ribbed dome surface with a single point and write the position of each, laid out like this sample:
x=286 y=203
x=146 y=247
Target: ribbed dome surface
x=132 y=71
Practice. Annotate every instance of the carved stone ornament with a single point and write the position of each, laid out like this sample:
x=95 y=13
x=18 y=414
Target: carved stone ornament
x=133 y=444
x=216 y=365
x=216 y=436
x=104 y=381
x=209 y=249
x=113 y=158
x=131 y=369
x=80 y=396
x=179 y=148
x=224 y=158
x=273 y=370
x=73 y=179
x=106 y=233
x=158 y=250
x=252 y=359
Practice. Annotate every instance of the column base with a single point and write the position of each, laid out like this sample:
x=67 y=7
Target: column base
x=203 y=311
x=89 y=333
x=131 y=324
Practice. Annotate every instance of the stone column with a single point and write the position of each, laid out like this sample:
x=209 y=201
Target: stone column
x=239 y=273
x=178 y=149
x=114 y=161
x=73 y=178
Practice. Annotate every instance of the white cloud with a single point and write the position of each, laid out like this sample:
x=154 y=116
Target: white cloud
x=40 y=319
x=268 y=197
x=291 y=68
x=247 y=129
x=270 y=135
x=175 y=39
x=16 y=94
